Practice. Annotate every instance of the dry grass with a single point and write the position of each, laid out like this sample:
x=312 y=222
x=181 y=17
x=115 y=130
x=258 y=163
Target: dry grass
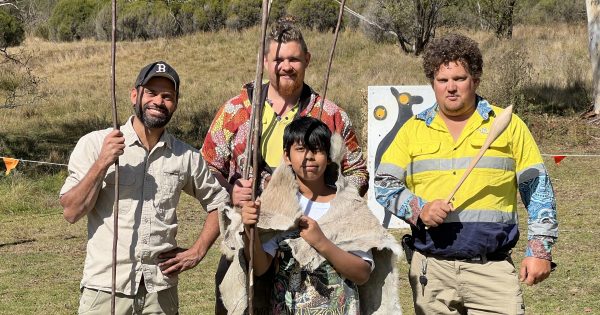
x=42 y=256
x=76 y=79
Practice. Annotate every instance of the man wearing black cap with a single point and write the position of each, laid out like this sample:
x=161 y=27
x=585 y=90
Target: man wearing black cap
x=154 y=168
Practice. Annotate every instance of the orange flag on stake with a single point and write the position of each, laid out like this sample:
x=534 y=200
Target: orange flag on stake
x=10 y=164
x=558 y=158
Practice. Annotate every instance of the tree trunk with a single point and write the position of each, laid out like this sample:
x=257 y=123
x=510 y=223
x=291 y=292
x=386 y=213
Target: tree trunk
x=593 y=15
x=402 y=43
x=508 y=18
x=504 y=15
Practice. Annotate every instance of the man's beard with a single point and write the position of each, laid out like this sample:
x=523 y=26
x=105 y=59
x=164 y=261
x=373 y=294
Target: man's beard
x=152 y=121
x=289 y=88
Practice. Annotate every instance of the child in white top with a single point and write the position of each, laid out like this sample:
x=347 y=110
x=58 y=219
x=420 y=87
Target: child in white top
x=333 y=285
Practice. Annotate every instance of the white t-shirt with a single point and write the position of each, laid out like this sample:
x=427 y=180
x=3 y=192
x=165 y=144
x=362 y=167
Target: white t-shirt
x=314 y=210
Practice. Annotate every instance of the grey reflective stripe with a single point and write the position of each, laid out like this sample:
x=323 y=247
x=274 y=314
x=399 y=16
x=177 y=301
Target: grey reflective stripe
x=531 y=172
x=493 y=216
x=391 y=169
x=491 y=162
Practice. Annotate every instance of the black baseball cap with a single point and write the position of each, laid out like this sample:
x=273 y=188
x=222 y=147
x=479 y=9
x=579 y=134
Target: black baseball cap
x=158 y=69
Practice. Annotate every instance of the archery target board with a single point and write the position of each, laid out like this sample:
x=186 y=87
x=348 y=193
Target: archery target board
x=389 y=108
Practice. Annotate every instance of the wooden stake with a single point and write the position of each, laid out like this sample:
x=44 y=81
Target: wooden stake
x=335 y=38
x=116 y=127
x=253 y=144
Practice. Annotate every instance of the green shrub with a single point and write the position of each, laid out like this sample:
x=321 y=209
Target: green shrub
x=33 y=14
x=315 y=14
x=278 y=10
x=18 y=82
x=185 y=16
x=550 y=11
x=72 y=20
x=243 y=14
x=140 y=20
x=460 y=15
x=358 y=6
x=375 y=13
x=161 y=22
x=202 y=15
x=42 y=31
x=9 y=80
x=212 y=17
x=11 y=30
x=133 y=20
x=103 y=21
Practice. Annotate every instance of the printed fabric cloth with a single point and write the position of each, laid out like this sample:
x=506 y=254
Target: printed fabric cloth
x=321 y=291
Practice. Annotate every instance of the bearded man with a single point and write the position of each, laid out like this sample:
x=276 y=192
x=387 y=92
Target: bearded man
x=154 y=168
x=285 y=96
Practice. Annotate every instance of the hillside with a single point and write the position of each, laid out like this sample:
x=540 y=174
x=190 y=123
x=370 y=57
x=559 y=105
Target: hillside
x=540 y=70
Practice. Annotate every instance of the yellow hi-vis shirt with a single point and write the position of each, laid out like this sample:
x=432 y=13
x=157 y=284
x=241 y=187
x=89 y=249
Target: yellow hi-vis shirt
x=271 y=140
x=425 y=159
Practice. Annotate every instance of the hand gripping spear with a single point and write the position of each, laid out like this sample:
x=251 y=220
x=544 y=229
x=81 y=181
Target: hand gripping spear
x=498 y=126
x=252 y=143
x=116 y=127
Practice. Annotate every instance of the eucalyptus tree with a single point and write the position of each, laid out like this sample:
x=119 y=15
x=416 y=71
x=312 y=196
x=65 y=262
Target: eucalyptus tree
x=412 y=22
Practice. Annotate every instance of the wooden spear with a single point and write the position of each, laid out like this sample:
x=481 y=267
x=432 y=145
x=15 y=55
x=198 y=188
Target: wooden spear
x=331 y=53
x=253 y=143
x=498 y=126
x=115 y=127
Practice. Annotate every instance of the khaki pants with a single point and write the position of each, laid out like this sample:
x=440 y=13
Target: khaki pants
x=459 y=287
x=95 y=302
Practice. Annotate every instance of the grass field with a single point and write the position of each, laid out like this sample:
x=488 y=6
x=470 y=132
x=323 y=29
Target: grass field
x=41 y=255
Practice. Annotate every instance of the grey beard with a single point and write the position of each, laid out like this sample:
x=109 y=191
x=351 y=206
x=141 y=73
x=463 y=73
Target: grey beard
x=151 y=121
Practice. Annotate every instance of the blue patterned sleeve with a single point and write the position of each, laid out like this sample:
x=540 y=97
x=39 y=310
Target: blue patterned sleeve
x=391 y=192
x=538 y=197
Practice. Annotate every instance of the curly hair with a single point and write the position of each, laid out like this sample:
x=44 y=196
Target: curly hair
x=283 y=31
x=449 y=48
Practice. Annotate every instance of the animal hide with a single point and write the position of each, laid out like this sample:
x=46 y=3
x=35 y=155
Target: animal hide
x=280 y=211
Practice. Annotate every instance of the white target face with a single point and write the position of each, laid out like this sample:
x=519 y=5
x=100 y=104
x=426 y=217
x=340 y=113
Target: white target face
x=389 y=108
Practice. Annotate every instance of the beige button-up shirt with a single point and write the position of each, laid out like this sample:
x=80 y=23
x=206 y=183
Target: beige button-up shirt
x=150 y=186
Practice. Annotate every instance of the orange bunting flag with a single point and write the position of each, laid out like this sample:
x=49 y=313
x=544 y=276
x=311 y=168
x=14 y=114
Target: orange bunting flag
x=10 y=164
x=558 y=158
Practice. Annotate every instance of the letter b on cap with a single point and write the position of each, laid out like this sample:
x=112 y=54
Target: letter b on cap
x=160 y=67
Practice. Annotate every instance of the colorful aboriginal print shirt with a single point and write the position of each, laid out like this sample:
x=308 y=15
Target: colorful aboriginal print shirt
x=225 y=143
